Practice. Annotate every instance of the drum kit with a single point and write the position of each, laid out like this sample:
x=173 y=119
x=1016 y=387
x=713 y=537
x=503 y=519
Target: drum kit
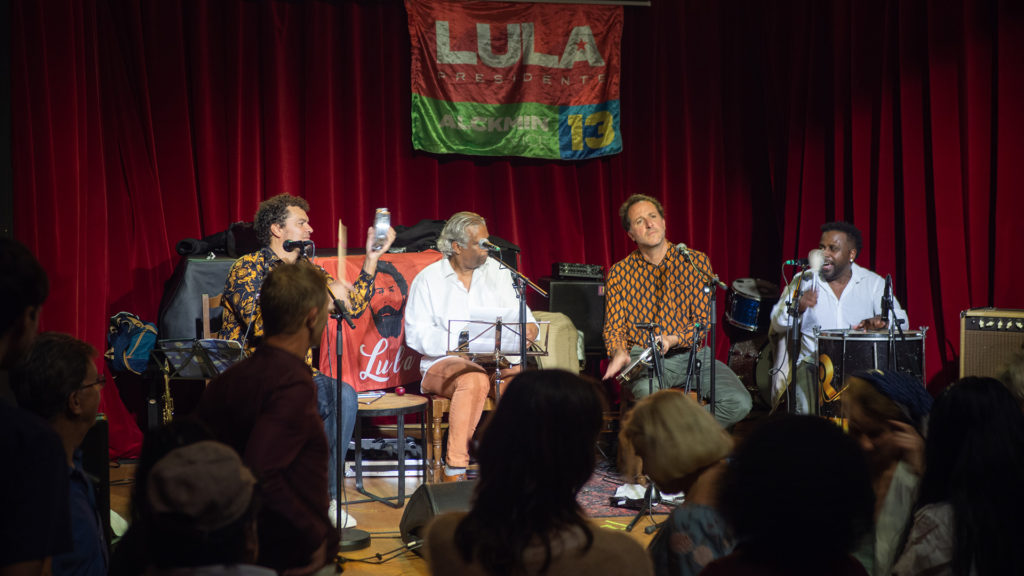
x=754 y=355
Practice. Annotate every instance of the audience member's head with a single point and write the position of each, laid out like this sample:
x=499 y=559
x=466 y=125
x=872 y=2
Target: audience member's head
x=536 y=453
x=203 y=513
x=975 y=461
x=797 y=495
x=1013 y=378
x=873 y=400
x=59 y=382
x=274 y=210
x=23 y=289
x=675 y=437
x=156 y=444
x=294 y=298
x=456 y=229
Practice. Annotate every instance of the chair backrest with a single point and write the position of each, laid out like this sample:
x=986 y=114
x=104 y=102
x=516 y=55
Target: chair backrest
x=209 y=302
x=563 y=345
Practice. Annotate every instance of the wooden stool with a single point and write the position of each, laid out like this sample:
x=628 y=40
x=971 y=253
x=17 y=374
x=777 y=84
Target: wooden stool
x=389 y=405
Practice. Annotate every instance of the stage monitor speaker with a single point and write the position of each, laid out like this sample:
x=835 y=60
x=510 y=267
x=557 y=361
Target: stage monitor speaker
x=989 y=339
x=428 y=501
x=583 y=302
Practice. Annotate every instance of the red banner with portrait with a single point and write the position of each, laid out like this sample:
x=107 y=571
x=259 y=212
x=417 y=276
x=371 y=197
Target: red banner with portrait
x=375 y=356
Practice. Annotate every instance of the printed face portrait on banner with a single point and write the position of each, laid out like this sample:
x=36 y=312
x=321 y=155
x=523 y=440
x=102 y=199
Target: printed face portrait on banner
x=387 y=307
x=375 y=354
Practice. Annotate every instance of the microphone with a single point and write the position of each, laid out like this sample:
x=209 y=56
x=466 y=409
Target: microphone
x=293 y=245
x=815 y=258
x=887 y=297
x=488 y=245
x=683 y=248
x=646 y=325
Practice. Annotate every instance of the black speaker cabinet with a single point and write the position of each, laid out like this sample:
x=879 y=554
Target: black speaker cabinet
x=96 y=463
x=989 y=338
x=583 y=302
x=428 y=501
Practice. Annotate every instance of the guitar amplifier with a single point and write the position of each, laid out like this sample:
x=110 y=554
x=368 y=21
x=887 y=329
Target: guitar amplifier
x=586 y=271
x=989 y=339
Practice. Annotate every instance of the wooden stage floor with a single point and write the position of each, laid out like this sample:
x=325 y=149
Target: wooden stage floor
x=381 y=521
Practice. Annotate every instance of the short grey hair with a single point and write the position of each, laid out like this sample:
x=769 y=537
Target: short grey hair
x=455 y=230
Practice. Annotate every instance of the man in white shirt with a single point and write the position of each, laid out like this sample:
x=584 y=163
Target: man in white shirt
x=451 y=289
x=842 y=296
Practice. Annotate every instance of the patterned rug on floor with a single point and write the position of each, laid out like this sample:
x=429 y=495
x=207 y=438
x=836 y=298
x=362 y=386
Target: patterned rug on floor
x=596 y=495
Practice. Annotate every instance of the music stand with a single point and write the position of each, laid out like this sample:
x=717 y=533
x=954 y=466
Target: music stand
x=485 y=342
x=197 y=359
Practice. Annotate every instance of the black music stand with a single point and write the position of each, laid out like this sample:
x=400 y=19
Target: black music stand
x=192 y=359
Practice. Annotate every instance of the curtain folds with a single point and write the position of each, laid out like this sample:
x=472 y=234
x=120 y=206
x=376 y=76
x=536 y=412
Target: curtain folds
x=137 y=124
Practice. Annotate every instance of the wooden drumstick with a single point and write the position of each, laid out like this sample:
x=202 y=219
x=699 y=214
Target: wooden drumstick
x=341 y=252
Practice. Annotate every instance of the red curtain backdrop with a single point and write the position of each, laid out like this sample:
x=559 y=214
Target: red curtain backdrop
x=139 y=123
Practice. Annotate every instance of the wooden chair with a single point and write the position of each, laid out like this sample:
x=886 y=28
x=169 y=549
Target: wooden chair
x=437 y=407
x=209 y=302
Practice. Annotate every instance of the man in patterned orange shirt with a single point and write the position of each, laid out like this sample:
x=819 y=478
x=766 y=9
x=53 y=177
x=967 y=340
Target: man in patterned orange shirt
x=280 y=219
x=657 y=284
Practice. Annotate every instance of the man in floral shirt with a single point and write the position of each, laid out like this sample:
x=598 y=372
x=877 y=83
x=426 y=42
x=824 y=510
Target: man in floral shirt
x=278 y=220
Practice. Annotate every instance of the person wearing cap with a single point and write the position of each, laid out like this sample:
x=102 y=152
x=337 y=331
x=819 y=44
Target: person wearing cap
x=203 y=513
x=887 y=413
x=59 y=382
x=683 y=450
x=265 y=407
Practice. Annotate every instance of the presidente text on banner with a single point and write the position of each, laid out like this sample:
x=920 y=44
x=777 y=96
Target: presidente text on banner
x=515 y=79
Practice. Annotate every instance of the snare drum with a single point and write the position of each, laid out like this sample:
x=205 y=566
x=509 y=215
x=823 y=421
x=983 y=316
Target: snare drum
x=843 y=352
x=749 y=303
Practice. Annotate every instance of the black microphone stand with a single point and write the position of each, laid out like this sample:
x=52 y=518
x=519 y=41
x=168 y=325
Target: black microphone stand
x=711 y=282
x=653 y=370
x=894 y=322
x=519 y=284
x=351 y=538
x=793 y=342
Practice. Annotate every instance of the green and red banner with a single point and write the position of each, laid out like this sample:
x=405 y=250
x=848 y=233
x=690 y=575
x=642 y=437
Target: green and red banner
x=515 y=79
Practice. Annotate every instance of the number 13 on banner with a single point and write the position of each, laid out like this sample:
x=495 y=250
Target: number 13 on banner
x=589 y=131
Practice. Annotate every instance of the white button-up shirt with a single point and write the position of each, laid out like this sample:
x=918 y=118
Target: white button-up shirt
x=860 y=300
x=437 y=296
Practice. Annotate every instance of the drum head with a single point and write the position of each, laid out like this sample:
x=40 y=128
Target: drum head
x=868 y=335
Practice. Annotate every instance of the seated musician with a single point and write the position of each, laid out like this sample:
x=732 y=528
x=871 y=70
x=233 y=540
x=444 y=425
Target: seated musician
x=842 y=296
x=658 y=284
x=450 y=289
x=279 y=219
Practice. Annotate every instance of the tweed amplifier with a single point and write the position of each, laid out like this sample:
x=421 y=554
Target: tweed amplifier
x=989 y=338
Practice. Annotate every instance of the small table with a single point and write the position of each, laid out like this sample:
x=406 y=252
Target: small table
x=390 y=404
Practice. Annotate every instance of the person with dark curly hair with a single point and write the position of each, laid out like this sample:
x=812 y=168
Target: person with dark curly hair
x=798 y=496
x=525 y=518
x=280 y=219
x=970 y=499
x=842 y=295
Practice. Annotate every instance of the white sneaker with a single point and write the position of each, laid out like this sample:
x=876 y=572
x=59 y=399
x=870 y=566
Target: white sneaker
x=347 y=521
